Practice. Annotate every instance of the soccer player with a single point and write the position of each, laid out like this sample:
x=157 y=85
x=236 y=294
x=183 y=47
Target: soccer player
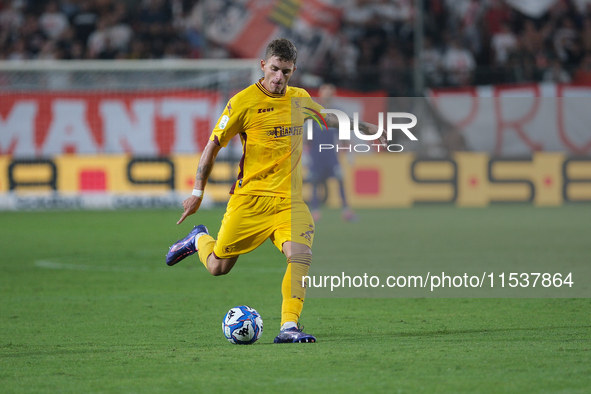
x=266 y=199
x=325 y=164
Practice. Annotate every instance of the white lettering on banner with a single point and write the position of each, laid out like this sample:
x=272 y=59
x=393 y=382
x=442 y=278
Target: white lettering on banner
x=513 y=115
x=185 y=113
x=69 y=128
x=18 y=129
x=519 y=120
x=129 y=132
x=89 y=122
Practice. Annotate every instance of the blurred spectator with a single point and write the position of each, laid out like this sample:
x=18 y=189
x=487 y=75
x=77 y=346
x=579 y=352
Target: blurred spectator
x=11 y=17
x=69 y=7
x=497 y=15
x=503 y=42
x=343 y=55
x=48 y=51
x=556 y=73
x=564 y=38
x=356 y=16
x=155 y=11
x=522 y=63
x=586 y=35
x=65 y=42
x=18 y=51
x=85 y=20
x=76 y=51
x=470 y=25
x=392 y=70
x=120 y=33
x=583 y=73
x=53 y=22
x=459 y=63
x=32 y=34
x=98 y=39
x=431 y=61
x=467 y=41
x=138 y=50
x=192 y=26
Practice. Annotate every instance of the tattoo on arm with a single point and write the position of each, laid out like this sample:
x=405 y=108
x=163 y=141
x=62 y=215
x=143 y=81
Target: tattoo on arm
x=363 y=127
x=203 y=171
x=332 y=120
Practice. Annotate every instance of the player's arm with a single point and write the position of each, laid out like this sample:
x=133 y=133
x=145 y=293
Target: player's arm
x=364 y=127
x=191 y=204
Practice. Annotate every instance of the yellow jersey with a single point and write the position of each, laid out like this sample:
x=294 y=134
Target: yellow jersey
x=271 y=128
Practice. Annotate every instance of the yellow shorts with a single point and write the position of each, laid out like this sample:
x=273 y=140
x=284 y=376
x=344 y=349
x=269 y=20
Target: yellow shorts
x=250 y=220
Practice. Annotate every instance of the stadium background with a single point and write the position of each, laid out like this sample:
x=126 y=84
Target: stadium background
x=109 y=103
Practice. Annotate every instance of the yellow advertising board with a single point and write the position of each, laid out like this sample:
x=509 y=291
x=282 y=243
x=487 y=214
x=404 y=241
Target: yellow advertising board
x=374 y=180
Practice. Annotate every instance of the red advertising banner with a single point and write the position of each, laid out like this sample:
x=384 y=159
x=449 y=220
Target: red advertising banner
x=146 y=123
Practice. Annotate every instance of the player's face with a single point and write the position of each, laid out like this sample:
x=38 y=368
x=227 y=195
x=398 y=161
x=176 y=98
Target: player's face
x=277 y=74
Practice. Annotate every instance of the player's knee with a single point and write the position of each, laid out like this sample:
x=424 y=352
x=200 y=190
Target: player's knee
x=301 y=249
x=292 y=248
x=218 y=268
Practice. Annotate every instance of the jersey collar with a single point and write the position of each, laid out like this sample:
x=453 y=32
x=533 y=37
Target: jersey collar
x=267 y=92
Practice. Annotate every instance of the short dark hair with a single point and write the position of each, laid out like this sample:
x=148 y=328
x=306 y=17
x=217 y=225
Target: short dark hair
x=283 y=49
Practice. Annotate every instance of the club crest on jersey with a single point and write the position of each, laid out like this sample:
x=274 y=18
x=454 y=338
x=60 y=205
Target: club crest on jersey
x=284 y=131
x=296 y=104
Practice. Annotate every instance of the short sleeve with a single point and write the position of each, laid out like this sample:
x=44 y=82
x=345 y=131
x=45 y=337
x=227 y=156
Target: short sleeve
x=317 y=107
x=308 y=102
x=228 y=125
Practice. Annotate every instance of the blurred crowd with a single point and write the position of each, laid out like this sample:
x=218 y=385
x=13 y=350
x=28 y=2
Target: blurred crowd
x=466 y=41
x=93 y=29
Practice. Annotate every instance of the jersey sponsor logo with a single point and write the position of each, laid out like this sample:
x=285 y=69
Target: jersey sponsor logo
x=284 y=131
x=224 y=122
x=263 y=110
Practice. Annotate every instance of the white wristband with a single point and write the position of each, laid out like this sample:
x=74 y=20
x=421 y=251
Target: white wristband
x=198 y=193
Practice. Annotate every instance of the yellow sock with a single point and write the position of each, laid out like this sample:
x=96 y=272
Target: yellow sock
x=205 y=245
x=292 y=288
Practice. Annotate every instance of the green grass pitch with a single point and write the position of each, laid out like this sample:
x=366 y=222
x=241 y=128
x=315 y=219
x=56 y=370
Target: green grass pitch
x=87 y=305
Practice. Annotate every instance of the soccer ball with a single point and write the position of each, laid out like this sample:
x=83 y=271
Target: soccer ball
x=242 y=325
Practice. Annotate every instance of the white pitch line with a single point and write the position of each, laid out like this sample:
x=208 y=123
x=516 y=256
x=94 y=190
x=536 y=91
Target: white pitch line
x=82 y=267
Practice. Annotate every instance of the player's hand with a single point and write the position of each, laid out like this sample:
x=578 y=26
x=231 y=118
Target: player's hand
x=191 y=205
x=383 y=139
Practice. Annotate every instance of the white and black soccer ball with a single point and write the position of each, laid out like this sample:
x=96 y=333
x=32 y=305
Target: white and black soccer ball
x=242 y=325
